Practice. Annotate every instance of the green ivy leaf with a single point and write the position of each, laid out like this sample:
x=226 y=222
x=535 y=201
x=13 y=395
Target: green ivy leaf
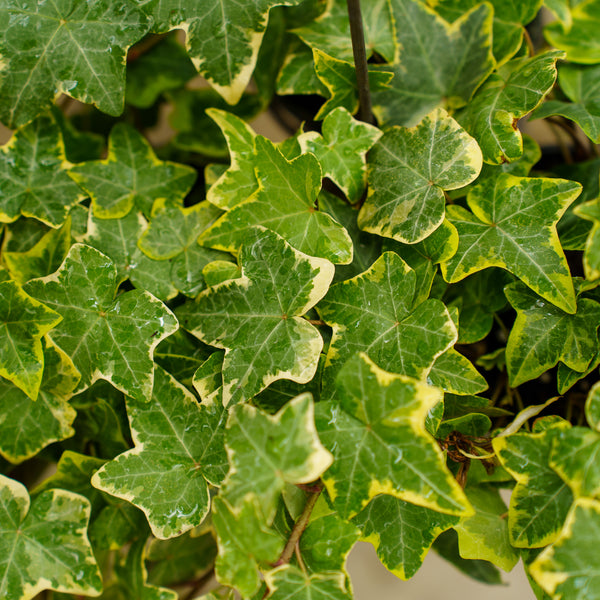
x=339 y=78
x=581 y=85
x=484 y=536
x=239 y=181
x=163 y=67
x=478 y=298
x=330 y=33
x=27 y=426
x=543 y=334
x=245 y=543
x=579 y=38
x=575 y=457
x=256 y=318
x=592 y=407
x=455 y=373
x=509 y=94
x=540 y=501
x=184 y=558
x=173 y=234
x=590 y=211
x=297 y=74
x=434 y=156
x=131 y=175
x=287 y=582
x=380 y=445
x=440 y=64
x=117 y=238
x=78 y=49
x=106 y=337
x=326 y=543
x=223 y=42
x=178 y=450
x=24 y=320
x=572 y=564
x=117 y=524
x=266 y=452
x=400 y=333
x=43 y=543
x=509 y=21
x=401 y=532
x=342 y=149
x=513 y=226
x=283 y=206
x=42 y=258
x=33 y=176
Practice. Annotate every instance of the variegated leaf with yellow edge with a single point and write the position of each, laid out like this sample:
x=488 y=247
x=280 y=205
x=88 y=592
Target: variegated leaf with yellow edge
x=376 y=433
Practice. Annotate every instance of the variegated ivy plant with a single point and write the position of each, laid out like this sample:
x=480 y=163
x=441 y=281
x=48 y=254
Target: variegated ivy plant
x=224 y=359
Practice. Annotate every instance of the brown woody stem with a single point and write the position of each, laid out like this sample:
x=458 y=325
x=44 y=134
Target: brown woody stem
x=300 y=526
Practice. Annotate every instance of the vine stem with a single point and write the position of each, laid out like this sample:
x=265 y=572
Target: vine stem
x=300 y=525
x=359 y=50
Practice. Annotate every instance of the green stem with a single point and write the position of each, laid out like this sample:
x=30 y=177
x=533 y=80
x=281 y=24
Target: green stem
x=300 y=526
x=360 y=61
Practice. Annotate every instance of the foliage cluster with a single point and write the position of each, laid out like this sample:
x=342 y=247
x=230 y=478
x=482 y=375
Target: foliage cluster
x=224 y=360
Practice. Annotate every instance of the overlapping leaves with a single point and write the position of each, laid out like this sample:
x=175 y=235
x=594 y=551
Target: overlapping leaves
x=257 y=317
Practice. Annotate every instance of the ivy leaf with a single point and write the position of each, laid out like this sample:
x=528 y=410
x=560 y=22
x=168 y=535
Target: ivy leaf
x=266 y=452
x=401 y=532
x=509 y=94
x=484 y=536
x=131 y=175
x=581 y=85
x=342 y=149
x=43 y=543
x=173 y=234
x=331 y=31
x=440 y=64
x=568 y=566
x=106 y=337
x=256 y=318
x=288 y=582
x=434 y=156
x=27 y=426
x=245 y=542
x=540 y=501
x=42 y=258
x=543 y=334
x=163 y=67
x=590 y=211
x=132 y=577
x=184 y=558
x=283 y=206
x=222 y=42
x=326 y=543
x=575 y=457
x=514 y=227
x=297 y=74
x=400 y=333
x=579 y=38
x=77 y=49
x=478 y=298
x=379 y=442
x=455 y=373
x=592 y=407
x=33 y=176
x=24 y=320
x=239 y=181
x=178 y=450
x=509 y=21
x=117 y=238
x=339 y=78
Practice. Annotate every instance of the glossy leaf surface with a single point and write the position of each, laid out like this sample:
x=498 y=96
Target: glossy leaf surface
x=106 y=337
x=256 y=318
x=381 y=446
